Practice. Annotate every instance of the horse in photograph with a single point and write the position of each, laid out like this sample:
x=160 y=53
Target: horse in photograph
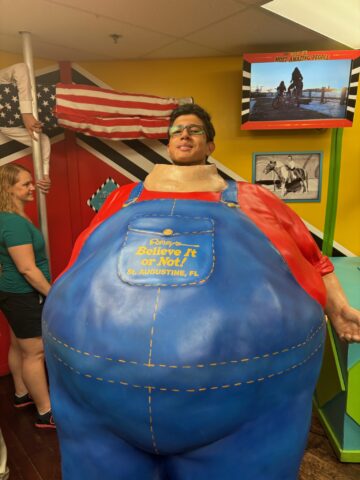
x=290 y=180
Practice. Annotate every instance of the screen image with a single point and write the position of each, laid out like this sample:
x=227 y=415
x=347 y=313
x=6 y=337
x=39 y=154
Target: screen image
x=307 y=90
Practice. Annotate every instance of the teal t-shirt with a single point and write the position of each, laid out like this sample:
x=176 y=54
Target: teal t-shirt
x=16 y=230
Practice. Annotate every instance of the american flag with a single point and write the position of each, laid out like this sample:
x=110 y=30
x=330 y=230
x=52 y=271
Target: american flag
x=10 y=115
x=109 y=114
x=93 y=111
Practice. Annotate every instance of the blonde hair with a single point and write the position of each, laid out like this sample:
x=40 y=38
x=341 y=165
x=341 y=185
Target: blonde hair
x=9 y=174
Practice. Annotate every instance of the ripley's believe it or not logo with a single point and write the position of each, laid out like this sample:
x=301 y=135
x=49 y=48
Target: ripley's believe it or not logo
x=167 y=251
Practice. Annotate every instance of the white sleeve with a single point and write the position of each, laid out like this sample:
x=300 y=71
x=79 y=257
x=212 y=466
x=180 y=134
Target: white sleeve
x=19 y=74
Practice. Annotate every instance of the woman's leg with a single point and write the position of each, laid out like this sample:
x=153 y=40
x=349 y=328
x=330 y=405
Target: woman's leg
x=33 y=371
x=15 y=365
x=4 y=471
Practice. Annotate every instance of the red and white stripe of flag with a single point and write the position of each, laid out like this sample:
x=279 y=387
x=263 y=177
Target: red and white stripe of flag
x=106 y=113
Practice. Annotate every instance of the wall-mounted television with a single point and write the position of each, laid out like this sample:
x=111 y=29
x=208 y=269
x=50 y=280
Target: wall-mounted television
x=299 y=89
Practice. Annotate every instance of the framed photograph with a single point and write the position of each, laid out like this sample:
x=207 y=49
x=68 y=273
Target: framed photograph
x=292 y=176
x=286 y=90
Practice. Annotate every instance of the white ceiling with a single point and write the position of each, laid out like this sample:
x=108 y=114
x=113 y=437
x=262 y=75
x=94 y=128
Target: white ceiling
x=79 y=30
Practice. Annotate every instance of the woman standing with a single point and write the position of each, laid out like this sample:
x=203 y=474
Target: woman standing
x=24 y=283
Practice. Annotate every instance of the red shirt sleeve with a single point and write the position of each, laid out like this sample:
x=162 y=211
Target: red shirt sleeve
x=293 y=225
x=289 y=235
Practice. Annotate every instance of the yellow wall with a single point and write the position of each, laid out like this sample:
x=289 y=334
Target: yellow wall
x=7 y=59
x=215 y=83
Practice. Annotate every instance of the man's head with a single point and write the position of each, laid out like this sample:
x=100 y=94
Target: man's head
x=191 y=135
x=15 y=187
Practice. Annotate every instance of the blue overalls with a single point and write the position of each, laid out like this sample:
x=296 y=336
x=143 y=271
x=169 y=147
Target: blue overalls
x=180 y=346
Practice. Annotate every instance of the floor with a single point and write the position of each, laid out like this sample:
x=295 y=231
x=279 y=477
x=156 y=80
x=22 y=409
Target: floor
x=34 y=454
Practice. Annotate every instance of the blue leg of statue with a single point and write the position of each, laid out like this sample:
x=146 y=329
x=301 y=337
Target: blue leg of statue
x=111 y=460
x=267 y=448
x=91 y=447
x=101 y=454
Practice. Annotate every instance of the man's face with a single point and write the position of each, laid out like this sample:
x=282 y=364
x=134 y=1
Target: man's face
x=187 y=149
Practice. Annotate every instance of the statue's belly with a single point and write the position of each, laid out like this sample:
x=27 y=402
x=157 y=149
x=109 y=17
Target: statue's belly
x=176 y=365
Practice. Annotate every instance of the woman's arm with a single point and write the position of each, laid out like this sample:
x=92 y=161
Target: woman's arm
x=24 y=259
x=344 y=318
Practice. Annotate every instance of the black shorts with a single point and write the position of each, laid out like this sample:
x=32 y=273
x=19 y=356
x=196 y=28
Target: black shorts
x=23 y=312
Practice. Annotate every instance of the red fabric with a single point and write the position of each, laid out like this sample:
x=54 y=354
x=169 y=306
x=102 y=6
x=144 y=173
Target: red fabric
x=273 y=217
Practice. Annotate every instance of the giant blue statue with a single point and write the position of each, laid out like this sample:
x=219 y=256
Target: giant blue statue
x=180 y=345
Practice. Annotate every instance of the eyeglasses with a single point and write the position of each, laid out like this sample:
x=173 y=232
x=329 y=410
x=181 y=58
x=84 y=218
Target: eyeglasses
x=192 y=129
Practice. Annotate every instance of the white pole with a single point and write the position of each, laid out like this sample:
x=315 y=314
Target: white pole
x=37 y=160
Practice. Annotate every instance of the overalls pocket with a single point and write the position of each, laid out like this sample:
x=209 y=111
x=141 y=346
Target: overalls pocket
x=172 y=251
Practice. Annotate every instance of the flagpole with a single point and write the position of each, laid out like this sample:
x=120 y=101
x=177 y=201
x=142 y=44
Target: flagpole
x=36 y=147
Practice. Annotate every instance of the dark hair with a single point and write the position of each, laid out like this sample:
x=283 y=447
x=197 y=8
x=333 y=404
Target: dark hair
x=194 y=109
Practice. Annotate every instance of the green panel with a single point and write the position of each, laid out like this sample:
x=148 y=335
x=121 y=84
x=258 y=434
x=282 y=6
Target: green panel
x=332 y=432
x=333 y=190
x=340 y=415
x=342 y=431
x=353 y=354
x=342 y=349
x=347 y=270
x=352 y=456
x=334 y=412
x=330 y=381
x=351 y=434
x=353 y=396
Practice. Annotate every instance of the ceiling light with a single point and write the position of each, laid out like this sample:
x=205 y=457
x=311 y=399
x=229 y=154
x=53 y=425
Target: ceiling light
x=115 y=37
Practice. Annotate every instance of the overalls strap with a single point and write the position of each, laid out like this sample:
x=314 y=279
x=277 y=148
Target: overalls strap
x=230 y=194
x=134 y=194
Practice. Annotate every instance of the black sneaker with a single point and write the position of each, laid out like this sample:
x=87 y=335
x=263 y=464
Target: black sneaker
x=45 y=421
x=24 y=401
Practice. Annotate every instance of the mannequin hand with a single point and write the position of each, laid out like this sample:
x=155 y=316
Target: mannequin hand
x=31 y=124
x=44 y=184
